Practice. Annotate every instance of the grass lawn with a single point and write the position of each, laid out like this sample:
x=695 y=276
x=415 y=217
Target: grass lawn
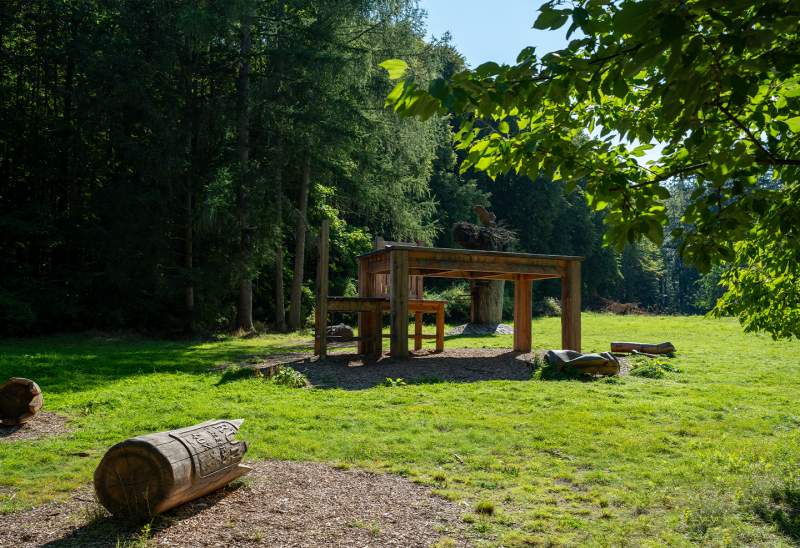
x=708 y=454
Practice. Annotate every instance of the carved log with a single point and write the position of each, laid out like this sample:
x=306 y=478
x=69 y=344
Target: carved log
x=20 y=400
x=146 y=475
x=661 y=348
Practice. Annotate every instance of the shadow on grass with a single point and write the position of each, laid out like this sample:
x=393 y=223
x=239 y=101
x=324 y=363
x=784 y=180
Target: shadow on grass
x=353 y=372
x=782 y=509
x=105 y=530
x=75 y=364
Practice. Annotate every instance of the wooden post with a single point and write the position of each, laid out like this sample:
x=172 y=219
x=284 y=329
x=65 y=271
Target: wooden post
x=375 y=348
x=398 y=302
x=522 y=315
x=440 y=328
x=321 y=316
x=365 y=321
x=417 y=330
x=571 y=306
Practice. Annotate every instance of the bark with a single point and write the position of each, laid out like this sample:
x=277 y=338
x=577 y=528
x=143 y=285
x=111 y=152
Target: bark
x=188 y=262
x=295 y=306
x=280 y=304
x=244 y=317
x=487 y=301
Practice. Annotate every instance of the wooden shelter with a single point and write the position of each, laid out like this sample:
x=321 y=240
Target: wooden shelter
x=402 y=261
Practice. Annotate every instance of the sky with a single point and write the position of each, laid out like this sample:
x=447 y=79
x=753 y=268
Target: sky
x=491 y=30
x=496 y=30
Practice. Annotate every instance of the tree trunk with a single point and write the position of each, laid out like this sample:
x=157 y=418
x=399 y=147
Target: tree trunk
x=188 y=262
x=244 y=319
x=280 y=304
x=295 y=306
x=487 y=295
x=487 y=301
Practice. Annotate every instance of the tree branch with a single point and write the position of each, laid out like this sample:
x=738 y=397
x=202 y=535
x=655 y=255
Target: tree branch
x=746 y=130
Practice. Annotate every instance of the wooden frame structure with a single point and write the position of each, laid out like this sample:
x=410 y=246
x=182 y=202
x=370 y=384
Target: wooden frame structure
x=370 y=309
x=402 y=261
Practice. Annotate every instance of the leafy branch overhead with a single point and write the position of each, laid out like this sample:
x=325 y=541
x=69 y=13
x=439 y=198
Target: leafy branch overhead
x=711 y=88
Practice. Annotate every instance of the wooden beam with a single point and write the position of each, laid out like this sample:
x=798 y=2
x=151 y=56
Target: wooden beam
x=522 y=315
x=321 y=310
x=571 y=307
x=398 y=302
x=467 y=263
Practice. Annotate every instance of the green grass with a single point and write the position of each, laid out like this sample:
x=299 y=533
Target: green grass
x=708 y=454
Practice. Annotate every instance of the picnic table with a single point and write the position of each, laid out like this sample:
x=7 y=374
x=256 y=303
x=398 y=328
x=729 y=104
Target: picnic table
x=402 y=261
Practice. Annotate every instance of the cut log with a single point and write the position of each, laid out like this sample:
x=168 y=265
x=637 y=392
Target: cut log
x=661 y=348
x=143 y=476
x=20 y=400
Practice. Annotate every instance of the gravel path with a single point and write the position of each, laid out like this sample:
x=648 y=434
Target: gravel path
x=280 y=504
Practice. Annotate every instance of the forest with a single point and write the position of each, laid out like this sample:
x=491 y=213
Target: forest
x=165 y=165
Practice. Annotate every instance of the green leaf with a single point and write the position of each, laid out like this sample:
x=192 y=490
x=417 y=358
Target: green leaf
x=395 y=67
x=551 y=19
x=487 y=69
x=794 y=124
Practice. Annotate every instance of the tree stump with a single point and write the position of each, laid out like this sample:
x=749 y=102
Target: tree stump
x=147 y=475
x=20 y=400
x=487 y=296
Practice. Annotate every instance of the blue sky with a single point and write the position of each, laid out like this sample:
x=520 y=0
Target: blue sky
x=495 y=30
x=491 y=30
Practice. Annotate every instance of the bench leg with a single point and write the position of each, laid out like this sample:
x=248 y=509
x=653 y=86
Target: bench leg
x=417 y=330
x=440 y=328
x=376 y=344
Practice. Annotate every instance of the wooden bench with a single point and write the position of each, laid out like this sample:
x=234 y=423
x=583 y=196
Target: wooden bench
x=372 y=307
x=369 y=309
x=420 y=307
x=417 y=304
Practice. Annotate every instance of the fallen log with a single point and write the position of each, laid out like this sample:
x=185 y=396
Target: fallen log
x=147 y=475
x=590 y=364
x=20 y=400
x=661 y=348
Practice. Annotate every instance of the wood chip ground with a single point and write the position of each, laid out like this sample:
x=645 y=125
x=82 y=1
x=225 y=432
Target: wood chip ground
x=279 y=504
x=353 y=372
x=43 y=425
